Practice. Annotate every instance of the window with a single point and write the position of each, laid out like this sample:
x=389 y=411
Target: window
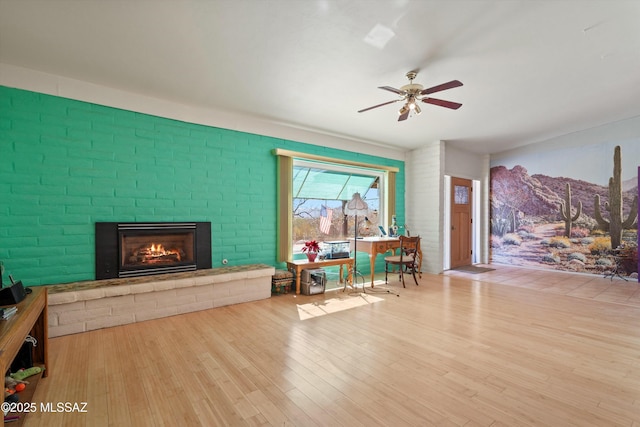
x=320 y=193
x=461 y=195
x=313 y=188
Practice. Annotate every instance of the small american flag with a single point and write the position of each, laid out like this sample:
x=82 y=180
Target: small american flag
x=325 y=219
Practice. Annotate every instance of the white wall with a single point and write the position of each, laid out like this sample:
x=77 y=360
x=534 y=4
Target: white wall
x=485 y=209
x=464 y=164
x=424 y=199
x=468 y=165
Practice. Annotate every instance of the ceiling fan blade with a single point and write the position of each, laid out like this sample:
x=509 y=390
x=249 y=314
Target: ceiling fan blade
x=442 y=103
x=379 y=105
x=392 y=89
x=404 y=116
x=443 y=86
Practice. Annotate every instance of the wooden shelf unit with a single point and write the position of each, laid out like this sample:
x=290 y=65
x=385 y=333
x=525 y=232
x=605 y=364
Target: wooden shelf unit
x=30 y=319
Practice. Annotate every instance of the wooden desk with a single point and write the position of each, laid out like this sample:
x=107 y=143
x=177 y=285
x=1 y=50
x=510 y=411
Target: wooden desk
x=378 y=245
x=30 y=319
x=301 y=264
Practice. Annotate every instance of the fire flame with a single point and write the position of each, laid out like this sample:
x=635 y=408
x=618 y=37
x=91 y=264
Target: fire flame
x=159 y=251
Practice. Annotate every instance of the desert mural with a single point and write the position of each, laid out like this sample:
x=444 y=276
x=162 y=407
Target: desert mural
x=568 y=209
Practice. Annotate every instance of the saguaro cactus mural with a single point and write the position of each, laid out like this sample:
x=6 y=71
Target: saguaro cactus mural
x=565 y=210
x=615 y=225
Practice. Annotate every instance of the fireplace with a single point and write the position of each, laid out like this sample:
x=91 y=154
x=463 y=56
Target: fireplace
x=142 y=249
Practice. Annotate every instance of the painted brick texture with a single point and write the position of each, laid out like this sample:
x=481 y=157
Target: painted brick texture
x=425 y=184
x=67 y=164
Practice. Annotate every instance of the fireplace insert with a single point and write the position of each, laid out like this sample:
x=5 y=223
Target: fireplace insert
x=141 y=249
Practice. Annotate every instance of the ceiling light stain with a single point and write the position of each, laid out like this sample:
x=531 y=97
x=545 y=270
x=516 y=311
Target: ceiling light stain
x=379 y=36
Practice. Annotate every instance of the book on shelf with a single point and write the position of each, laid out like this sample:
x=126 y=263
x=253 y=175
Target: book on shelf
x=8 y=312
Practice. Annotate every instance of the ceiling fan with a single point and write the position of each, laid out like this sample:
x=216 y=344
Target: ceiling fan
x=414 y=93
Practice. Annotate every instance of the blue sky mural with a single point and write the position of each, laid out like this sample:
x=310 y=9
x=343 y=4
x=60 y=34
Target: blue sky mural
x=592 y=163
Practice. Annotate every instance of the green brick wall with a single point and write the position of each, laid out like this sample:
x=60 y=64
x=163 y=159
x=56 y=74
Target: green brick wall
x=65 y=165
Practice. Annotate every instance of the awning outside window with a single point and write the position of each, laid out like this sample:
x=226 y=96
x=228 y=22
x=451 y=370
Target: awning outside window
x=315 y=183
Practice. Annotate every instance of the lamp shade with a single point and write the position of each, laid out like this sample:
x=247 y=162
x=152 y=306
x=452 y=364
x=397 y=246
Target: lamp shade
x=356 y=206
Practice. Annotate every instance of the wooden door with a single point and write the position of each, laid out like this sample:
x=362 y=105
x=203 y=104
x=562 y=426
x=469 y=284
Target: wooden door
x=461 y=220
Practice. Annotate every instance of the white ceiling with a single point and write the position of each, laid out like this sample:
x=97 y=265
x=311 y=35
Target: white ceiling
x=531 y=69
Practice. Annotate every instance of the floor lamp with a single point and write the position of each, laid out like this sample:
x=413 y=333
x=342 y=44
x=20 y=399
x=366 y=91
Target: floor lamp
x=356 y=206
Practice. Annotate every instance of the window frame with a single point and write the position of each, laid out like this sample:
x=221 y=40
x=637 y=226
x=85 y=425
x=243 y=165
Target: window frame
x=333 y=167
x=285 y=162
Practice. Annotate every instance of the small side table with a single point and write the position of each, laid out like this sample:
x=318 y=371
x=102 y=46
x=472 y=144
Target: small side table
x=301 y=264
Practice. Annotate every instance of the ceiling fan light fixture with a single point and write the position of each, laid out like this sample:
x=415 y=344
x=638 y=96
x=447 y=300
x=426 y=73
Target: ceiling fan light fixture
x=403 y=110
x=414 y=93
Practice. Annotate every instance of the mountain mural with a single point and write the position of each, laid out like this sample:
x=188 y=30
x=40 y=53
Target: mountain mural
x=564 y=223
x=541 y=195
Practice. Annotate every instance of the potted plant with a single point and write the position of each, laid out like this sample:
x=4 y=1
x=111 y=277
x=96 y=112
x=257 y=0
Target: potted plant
x=311 y=248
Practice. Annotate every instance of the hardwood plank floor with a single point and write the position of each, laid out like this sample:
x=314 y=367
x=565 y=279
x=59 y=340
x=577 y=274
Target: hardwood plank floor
x=510 y=347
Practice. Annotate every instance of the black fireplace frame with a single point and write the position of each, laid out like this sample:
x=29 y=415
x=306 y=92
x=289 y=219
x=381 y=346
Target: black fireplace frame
x=107 y=247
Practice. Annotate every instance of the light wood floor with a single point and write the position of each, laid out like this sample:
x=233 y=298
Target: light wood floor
x=511 y=347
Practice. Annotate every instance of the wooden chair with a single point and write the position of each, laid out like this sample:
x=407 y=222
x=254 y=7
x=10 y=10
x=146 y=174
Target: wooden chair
x=407 y=261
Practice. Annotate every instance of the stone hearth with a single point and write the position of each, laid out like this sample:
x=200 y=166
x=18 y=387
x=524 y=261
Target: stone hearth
x=95 y=304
